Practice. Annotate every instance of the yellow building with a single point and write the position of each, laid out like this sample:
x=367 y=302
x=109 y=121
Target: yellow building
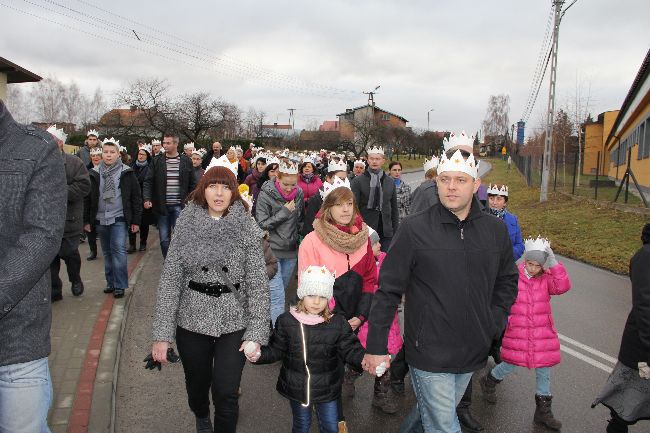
x=630 y=134
x=596 y=134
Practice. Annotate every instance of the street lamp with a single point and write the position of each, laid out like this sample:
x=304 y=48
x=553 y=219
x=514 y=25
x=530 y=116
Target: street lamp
x=428 y=113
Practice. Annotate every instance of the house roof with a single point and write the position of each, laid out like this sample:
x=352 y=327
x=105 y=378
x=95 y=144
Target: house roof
x=329 y=125
x=640 y=82
x=276 y=126
x=376 y=108
x=17 y=74
x=124 y=117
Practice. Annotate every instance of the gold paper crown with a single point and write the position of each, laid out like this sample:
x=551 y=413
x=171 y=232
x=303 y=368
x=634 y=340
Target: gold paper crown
x=458 y=140
x=458 y=163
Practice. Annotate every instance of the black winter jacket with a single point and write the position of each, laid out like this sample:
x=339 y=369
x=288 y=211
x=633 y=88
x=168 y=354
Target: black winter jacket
x=635 y=345
x=131 y=197
x=329 y=345
x=313 y=206
x=155 y=184
x=424 y=196
x=460 y=281
x=78 y=187
x=389 y=212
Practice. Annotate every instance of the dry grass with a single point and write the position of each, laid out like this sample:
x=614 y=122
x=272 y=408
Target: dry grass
x=581 y=230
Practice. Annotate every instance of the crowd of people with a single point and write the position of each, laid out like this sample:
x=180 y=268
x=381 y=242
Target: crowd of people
x=389 y=282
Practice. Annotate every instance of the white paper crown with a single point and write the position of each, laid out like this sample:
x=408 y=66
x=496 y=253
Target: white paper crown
x=92 y=132
x=272 y=159
x=189 y=146
x=378 y=150
x=360 y=162
x=336 y=183
x=495 y=190
x=430 y=164
x=539 y=244
x=455 y=141
x=222 y=161
x=337 y=166
x=203 y=152
x=111 y=140
x=316 y=281
x=310 y=160
x=155 y=142
x=288 y=168
x=458 y=163
x=146 y=147
x=122 y=149
x=248 y=199
x=96 y=151
x=58 y=133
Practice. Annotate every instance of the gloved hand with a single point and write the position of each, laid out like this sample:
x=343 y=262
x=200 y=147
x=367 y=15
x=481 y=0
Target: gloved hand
x=644 y=370
x=252 y=350
x=551 y=260
x=381 y=369
x=151 y=364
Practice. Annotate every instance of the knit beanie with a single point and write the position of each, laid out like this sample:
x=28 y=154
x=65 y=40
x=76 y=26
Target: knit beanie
x=316 y=281
x=373 y=235
x=537 y=256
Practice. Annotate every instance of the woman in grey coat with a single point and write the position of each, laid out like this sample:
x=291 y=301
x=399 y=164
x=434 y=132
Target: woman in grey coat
x=213 y=297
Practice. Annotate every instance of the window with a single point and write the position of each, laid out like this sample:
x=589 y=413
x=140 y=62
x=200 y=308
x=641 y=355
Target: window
x=640 y=134
x=646 y=139
x=385 y=116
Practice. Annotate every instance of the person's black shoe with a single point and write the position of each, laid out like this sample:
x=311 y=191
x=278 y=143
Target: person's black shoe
x=77 y=288
x=57 y=297
x=131 y=249
x=92 y=255
x=109 y=290
x=143 y=247
x=118 y=293
x=468 y=422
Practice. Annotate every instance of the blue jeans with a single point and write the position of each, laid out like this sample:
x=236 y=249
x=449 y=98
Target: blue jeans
x=327 y=414
x=542 y=376
x=166 y=224
x=437 y=395
x=113 y=240
x=25 y=397
x=278 y=284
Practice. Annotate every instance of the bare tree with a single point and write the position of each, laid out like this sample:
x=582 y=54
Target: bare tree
x=366 y=134
x=48 y=95
x=496 y=120
x=562 y=130
x=19 y=104
x=195 y=114
x=151 y=95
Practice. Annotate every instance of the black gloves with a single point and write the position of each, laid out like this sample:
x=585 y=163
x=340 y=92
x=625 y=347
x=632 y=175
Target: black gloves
x=151 y=364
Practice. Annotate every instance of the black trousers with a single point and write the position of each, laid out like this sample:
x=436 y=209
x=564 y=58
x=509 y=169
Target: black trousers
x=69 y=253
x=147 y=220
x=398 y=366
x=466 y=401
x=212 y=364
x=92 y=238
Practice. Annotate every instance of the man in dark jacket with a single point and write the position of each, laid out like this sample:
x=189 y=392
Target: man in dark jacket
x=376 y=197
x=33 y=196
x=426 y=194
x=78 y=187
x=92 y=140
x=455 y=265
x=166 y=186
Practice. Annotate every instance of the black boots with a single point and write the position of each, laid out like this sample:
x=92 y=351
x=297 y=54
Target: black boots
x=203 y=425
x=489 y=387
x=77 y=288
x=93 y=254
x=544 y=414
x=383 y=397
x=467 y=421
x=349 y=377
x=131 y=248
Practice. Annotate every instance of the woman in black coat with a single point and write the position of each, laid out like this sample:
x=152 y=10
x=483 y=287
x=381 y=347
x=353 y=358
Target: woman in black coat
x=627 y=391
x=141 y=168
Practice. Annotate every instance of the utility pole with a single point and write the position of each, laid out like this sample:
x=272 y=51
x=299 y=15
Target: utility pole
x=371 y=96
x=548 y=141
x=292 y=118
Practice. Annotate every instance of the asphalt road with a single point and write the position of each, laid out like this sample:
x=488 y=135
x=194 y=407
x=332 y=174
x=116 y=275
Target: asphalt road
x=590 y=319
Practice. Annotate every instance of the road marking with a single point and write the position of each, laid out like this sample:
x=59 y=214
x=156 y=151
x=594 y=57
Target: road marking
x=586 y=348
x=585 y=358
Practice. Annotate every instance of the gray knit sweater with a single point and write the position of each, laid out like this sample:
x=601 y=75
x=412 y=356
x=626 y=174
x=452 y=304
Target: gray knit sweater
x=199 y=246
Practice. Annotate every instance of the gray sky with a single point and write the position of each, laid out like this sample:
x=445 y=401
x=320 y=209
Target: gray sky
x=449 y=56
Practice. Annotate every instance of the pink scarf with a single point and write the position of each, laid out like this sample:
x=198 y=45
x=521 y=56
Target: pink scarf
x=286 y=197
x=306 y=319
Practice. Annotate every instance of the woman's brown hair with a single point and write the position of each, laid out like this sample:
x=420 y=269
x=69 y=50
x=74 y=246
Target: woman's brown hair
x=216 y=176
x=337 y=196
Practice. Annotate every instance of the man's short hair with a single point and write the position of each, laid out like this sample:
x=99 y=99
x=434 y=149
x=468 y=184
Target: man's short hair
x=175 y=138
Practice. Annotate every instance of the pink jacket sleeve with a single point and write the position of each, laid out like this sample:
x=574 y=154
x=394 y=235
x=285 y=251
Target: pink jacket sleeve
x=558 y=281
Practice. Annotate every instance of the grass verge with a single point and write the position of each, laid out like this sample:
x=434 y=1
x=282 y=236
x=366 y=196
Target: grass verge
x=407 y=164
x=602 y=237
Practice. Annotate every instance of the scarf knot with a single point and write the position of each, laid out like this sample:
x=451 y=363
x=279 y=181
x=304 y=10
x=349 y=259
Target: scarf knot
x=376 y=196
x=107 y=172
x=343 y=239
x=498 y=213
x=287 y=197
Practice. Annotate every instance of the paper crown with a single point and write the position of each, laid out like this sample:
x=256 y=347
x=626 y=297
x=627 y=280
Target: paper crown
x=199 y=152
x=309 y=159
x=360 y=163
x=377 y=150
x=316 y=281
x=155 y=142
x=111 y=140
x=337 y=166
x=539 y=244
x=495 y=190
x=146 y=147
x=122 y=149
x=288 y=168
x=223 y=162
x=336 y=183
x=189 y=146
x=272 y=159
x=246 y=197
x=96 y=151
x=462 y=141
x=458 y=163
x=430 y=164
x=92 y=132
x=58 y=133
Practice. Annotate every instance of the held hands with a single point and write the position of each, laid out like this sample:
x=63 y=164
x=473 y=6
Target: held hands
x=376 y=365
x=291 y=205
x=147 y=205
x=135 y=228
x=354 y=322
x=551 y=260
x=251 y=349
x=87 y=228
x=155 y=359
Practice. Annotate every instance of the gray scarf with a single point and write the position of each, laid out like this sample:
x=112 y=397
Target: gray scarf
x=107 y=172
x=376 y=197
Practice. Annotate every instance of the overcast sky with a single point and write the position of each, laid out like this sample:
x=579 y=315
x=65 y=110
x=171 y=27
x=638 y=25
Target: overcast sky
x=272 y=55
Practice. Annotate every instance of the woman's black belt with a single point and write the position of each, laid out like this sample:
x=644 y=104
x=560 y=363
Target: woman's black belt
x=211 y=289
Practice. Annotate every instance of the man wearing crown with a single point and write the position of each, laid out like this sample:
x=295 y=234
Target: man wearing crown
x=454 y=264
x=375 y=194
x=90 y=143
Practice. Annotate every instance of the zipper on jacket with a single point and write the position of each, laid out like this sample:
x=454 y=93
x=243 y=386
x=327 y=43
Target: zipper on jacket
x=347 y=256
x=461 y=227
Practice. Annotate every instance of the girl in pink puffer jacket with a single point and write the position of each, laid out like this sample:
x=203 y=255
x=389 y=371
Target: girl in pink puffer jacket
x=531 y=339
